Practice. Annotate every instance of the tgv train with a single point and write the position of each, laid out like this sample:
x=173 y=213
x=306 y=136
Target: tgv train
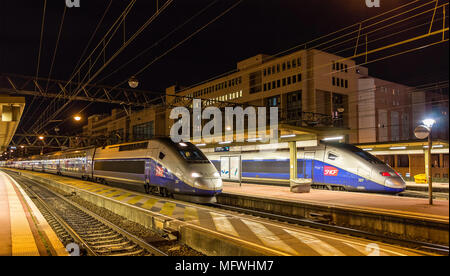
x=157 y=166
x=332 y=166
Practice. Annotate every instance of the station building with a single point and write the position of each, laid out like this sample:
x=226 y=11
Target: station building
x=312 y=89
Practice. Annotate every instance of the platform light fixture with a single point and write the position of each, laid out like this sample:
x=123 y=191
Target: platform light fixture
x=41 y=137
x=77 y=118
x=288 y=136
x=429 y=122
x=200 y=145
x=254 y=140
x=133 y=82
x=333 y=138
x=225 y=143
x=434 y=147
x=397 y=148
x=369 y=149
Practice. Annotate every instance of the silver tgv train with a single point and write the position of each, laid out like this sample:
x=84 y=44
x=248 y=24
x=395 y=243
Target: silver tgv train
x=332 y=166
x=157 y=166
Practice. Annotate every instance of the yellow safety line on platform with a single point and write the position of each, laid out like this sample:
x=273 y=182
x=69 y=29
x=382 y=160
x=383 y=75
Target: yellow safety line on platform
x=135 y=200
x=114 y=194
x=314 y=243
x=43 y=225
x=22 y=239
x=168 y=208
x=190 y=213
x=123 y=196
x=223 y=224
x=267 y=237
x=149 y=203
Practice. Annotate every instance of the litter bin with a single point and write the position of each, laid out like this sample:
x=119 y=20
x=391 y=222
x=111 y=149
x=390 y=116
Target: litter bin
x=420 y=178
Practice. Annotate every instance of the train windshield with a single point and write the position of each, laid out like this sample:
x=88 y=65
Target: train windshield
x=193 y=155
x=361 y=153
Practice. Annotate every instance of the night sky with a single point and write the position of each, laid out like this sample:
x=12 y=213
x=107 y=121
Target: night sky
x=253 y=27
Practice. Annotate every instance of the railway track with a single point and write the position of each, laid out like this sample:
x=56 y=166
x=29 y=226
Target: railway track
x=424 y=246
x=94 y=235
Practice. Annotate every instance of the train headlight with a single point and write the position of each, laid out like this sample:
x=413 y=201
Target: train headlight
x=196 y=175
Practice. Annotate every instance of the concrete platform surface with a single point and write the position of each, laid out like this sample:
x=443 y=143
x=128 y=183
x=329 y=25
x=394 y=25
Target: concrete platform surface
x=23 y=229
x=264 y=236
x=415 y=207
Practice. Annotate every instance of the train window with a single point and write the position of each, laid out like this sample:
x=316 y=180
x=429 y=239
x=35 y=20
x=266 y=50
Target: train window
x=332 y=156
x=193 y=155
x=136 y=167
x=161 y=155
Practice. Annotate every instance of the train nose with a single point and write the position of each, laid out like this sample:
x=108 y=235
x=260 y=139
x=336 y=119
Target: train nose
x=396 y=183
x=209 y=183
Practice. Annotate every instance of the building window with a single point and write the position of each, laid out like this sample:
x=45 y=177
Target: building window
x=289 y=80
x=294 y=63
x=278 y=68
x=269 y=71
x=274 y=84
x=346 y=83
x=284 y=82
x=265 y=72
x=284 y=66
x=288 y=65
x=265 y=87
x=334 y=81
x=294 y=79
x=143 y=131
x=299 y=77
x=402 y=161
x=255 y=82
x=278 y=83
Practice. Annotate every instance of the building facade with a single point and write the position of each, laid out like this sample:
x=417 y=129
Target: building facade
x=310 y=88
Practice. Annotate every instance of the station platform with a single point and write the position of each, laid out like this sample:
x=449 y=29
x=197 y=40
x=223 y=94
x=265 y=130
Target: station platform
x=437 y=187
x=23 y=229
x=386 y=204
x=213 y=231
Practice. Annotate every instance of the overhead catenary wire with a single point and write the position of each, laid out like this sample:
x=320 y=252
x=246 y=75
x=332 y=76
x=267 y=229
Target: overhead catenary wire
x=303 y=45
x=83 y=84
x=39 y=52
x=100 y=43
x=184 y=40
x=408 y=51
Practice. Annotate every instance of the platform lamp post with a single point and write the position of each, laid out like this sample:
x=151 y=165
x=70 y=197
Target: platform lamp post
x=422 y=132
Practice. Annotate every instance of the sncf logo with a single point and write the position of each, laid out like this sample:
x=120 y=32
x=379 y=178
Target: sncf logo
x=159 y=171
x=330 y=171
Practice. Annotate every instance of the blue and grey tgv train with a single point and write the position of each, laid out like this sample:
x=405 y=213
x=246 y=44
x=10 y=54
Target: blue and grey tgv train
x=332 y=166
x=157 y=166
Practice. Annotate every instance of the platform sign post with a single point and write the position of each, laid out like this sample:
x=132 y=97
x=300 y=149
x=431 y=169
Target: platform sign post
x=423 y=132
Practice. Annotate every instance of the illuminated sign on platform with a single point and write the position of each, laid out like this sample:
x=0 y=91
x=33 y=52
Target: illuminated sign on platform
x=222 y=149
